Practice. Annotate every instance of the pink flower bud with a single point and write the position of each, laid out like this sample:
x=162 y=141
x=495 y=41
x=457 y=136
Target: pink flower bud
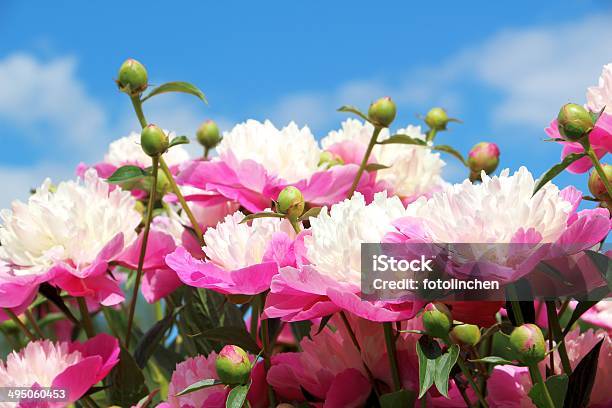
x=233 y=365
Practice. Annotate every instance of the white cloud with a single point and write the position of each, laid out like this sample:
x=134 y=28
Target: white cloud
x=17 y=181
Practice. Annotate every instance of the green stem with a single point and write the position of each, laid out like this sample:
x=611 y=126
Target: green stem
x=364 y=161
x=599 y=170
x=137 y=103
x=555 y=327
x=431 y=134
x=179 y=195
x=85 y=318
x=265 y=341
x=206 y=151
x=254 y=317
x=296 y=225
x=34 y=324
x=19 y=323
x=392 y=355
x=536 y=378
x=143 y=251
x=468 y=375
x=516 y=305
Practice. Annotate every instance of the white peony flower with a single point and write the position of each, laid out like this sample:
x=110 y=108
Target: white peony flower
x=415 y=170
x=290 y=153
x=127 y=150
x=232 y=245
x=334 y=248
x=72 y=222
x=493 y=211
x=601 y=95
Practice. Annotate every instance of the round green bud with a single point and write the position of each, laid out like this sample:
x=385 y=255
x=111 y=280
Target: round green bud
x=465 y=334
x=328 y=159
x=132 y=77
x=233 y=365
x=291 y=202
x=574 y=122
x=437 y=319
x=382 y=112
x=153 y=140
x=483 y=156
x=528 y=343
x=596 y=185
x=437 y=119
x=208 y=134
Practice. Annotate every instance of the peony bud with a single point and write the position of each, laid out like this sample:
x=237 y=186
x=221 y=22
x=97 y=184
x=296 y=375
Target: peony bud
x=596 y=185
x=465 y=334
x=528 y=343
x=153 y=141
x=233 y=365
x=437 y=319
x=382 y=112
x=483 y=156
x=328 y=159
x=291 y=202
x=208 y=134
x=437 y=119
x=132 y=77
x=574 y=122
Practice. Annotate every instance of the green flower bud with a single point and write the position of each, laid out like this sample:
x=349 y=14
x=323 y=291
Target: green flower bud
x=574 y=122
x=382 y=112
x=163 y=184
x=153 y=141
x=528 y=343
x=437 y=319
x=328 y=159
x=132 y=77
x=233 y=365
x=465 y=334
x=437 y=119
x=483 y=156
x=208 y=134
x=291 y=202
x=596 y=185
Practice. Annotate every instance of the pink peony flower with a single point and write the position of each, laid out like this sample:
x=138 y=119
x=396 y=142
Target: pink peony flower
x=66 y=235
x=199 y=368
x=257 y=160
x=328 y=273
x=242 y=258
x=75 y=367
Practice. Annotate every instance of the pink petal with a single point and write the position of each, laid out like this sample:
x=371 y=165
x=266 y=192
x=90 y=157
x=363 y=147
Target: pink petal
x=349 y=389
x=78 y=378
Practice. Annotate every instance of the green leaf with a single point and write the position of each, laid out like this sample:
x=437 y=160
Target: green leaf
x=126 y=173
x=375 y=167
x=151 y=339
x=451 y=151
x=199 y=385
x=428 y=351
x=495 y=360
x=555 y=170
x=148 y=400
x=603 y=264
x=354 y=110
x=312 y=212
x=237 y=396
x=177 y=86
x=301 y=329
x=582 y=378
x=232 y=335
x=444 y=365
x=323 y=323
x=127 y=382
x=397 y=399
x=403 y=139
x=178 y=141
x=261 y=215
x=557 y=387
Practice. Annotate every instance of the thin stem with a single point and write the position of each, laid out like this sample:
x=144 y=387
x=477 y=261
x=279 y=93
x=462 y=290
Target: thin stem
x=296 y=226
x=34 y=324
x=19 y=323
x=179 y=195
x=254 y=317
x=137 y=103
x=265 y=341
x=85 y=318
x=90 y=401
x=206 y=151
x=431 y=134
x=555 y=328
x=392 y=355
x=468 y=375
x=364 y=161
x=143 y=251
x=516 y=305
x=351 y=333
x=536 y=378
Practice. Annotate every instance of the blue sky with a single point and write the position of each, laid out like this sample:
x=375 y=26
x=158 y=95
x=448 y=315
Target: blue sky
x=503 y=69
